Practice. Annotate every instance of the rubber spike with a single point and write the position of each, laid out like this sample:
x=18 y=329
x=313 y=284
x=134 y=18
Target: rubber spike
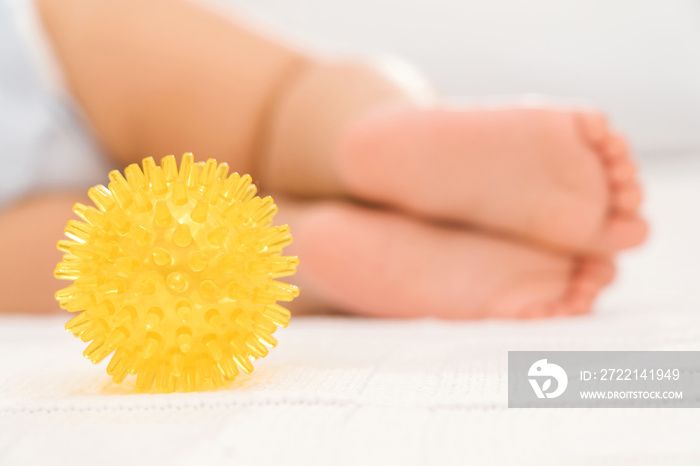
x=174 y=272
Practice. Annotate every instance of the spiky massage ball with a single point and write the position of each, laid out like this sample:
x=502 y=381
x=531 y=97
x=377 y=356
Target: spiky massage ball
x=175 y=273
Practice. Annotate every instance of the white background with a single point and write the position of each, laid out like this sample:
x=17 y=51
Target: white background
x=639 y=60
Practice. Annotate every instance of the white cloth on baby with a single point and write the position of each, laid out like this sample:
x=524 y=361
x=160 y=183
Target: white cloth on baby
x=45 y=143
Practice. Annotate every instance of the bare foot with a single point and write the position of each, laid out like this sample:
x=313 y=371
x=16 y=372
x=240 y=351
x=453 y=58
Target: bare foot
x=385 y=264
x=555 y=177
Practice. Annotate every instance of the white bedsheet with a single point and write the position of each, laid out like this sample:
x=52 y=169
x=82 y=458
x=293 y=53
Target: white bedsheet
x=357 y=391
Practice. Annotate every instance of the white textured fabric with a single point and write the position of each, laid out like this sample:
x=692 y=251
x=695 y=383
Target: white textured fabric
x=362 y=391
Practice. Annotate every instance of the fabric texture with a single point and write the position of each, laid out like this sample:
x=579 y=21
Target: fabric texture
x=363 y=391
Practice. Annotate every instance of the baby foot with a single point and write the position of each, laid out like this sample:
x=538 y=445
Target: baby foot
x=624 y=228
x=384 y=264
x=560 y=178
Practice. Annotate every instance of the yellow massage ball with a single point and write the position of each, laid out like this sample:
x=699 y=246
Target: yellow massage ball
x=175 y=272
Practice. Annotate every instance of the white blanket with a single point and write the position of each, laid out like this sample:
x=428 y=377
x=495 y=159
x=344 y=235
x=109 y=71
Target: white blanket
x=359 y=391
